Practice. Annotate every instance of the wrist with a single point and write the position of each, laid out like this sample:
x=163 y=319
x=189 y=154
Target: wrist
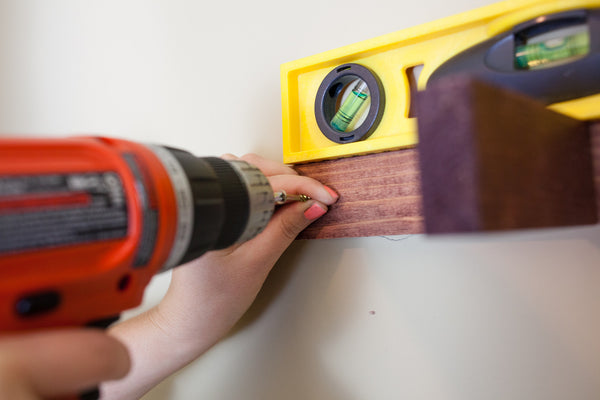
x=189 y=329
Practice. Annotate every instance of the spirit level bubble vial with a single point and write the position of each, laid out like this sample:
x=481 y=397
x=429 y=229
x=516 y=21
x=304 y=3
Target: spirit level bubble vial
x=357 y=99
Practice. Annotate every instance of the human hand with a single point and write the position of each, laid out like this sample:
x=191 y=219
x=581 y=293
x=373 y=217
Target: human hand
x=55 y=363
x=210 y=294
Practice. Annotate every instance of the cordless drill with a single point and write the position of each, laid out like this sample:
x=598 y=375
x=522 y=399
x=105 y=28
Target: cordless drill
x=86 y=222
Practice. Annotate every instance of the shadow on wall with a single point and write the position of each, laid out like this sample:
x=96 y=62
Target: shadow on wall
x=293 y=303
x=274 y=351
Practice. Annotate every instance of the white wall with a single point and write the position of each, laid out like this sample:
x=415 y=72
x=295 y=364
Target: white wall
x=512 y=316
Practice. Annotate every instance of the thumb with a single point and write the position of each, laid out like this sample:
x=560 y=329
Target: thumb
x=293 y=220
x=61 y=362
x=287 y=222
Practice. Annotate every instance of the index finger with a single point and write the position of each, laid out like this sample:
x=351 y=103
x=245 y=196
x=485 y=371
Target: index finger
x=268 y=167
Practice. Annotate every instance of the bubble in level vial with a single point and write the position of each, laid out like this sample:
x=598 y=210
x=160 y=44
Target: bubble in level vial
x=350 y=107
x=554 y=50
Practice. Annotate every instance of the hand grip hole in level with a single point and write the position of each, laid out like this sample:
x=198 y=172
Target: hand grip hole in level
x=412 y=75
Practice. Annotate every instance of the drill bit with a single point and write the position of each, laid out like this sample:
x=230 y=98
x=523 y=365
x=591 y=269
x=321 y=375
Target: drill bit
x=281 y=197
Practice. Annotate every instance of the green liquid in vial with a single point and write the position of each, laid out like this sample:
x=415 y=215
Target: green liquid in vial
x=348 y=110
x=560 y=49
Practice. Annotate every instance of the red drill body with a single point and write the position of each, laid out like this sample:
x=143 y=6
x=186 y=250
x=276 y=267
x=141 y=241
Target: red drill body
x=86 y=222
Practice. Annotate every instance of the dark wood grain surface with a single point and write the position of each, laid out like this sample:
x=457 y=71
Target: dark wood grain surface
x=380 y=194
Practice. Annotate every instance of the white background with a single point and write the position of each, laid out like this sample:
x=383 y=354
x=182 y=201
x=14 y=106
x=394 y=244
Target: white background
x=512 y=316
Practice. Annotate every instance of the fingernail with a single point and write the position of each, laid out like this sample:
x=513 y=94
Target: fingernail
x=314 y=211
x=332 y=193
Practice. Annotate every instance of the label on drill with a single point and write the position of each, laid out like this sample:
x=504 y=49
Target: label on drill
x=44 y=211
x=149 y=207
x=185 y=205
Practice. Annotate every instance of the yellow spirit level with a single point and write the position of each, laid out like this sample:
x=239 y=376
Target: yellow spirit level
x=357 y=99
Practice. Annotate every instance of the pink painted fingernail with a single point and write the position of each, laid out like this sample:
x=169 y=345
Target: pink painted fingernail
x=314 y=211
x=332 y=193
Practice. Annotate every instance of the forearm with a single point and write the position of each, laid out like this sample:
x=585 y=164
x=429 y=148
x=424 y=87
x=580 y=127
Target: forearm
x=152 y=355
x=156 y=352
x=169 y=336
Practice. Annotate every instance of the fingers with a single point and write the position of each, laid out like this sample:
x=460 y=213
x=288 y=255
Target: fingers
x=62 y=362
x=291 y=219
x=288 y=222
x=303 y=185
x=285 y=225
x=229 y=157
x=285 y=178
x=267 y=167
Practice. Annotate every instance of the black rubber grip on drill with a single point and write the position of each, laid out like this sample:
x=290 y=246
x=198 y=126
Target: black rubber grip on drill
x=236 y=200
x=221 y=203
